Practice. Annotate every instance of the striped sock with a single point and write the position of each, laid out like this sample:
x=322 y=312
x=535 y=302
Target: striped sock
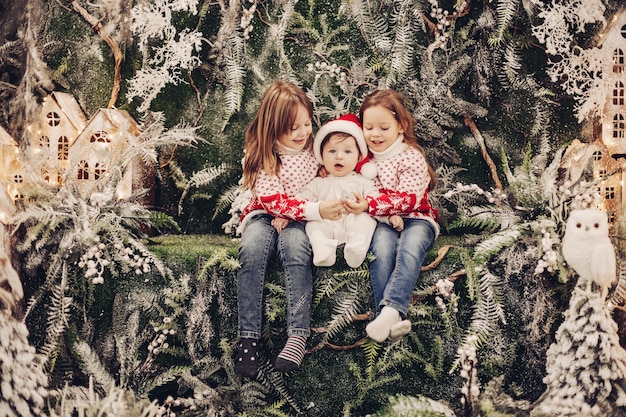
x=290 y=358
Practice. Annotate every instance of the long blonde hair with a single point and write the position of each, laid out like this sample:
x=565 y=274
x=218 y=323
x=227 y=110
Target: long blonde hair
x=396 y=104
x=275 y=117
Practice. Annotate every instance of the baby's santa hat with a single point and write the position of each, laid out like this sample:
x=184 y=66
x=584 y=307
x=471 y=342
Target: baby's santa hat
x=350 y=124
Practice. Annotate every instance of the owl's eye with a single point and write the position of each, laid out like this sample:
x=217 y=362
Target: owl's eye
x=596 y=225
x=578 y=225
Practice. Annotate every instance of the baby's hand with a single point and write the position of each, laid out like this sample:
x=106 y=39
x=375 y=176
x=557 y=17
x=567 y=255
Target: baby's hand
x=396 y=222
x=356 y=204
x=331 y=210
x=280 y=223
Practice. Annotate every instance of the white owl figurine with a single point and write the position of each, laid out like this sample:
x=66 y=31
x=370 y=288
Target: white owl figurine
x=588 y=249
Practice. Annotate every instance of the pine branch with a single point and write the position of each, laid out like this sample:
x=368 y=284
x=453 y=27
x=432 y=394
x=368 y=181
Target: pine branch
x=201 y=178
x=58 y=320
x=90 y=364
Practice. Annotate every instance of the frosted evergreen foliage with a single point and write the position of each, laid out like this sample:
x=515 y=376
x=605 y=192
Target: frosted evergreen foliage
x=578 y=70
x=408 y=406
x=23 y=383
x=586 y=366
x=469 y=362
x=175 y=51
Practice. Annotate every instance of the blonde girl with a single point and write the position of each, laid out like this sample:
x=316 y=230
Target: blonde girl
x=278 y=162
x=404 y=179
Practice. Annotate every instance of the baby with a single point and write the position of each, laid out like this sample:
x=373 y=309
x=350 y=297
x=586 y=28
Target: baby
x=340 y=146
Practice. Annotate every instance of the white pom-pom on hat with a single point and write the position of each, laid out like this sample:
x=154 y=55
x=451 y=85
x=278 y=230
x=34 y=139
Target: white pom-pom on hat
x=349 y=124
x=367 y=168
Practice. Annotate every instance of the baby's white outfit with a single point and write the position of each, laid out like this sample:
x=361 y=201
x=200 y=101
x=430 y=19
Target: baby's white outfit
x=354 y=230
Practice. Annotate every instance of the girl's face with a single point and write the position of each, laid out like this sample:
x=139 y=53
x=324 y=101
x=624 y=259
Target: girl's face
x=300 y=132
x=340 y=155
x=380 y=128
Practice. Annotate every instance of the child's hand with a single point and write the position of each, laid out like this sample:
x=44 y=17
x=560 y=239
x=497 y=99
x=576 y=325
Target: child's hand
x=396 y=222
x=280 y=223
x=331 y=210
x=356 y=204
x=323 y=172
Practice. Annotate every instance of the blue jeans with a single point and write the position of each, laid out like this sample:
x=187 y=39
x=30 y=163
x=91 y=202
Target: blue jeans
x=399 y=258
x=260 y=242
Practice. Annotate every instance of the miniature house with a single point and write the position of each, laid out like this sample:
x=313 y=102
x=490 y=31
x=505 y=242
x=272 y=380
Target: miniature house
x=61 y=119
x=64 y=146
x=610 y=127
x=97 y=149
x=8 y=156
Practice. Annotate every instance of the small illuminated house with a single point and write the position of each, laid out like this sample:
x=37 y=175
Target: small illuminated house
x=51 y=136
x=64 y=146
x=610 y=127
x=100 y=146
x=9 y=152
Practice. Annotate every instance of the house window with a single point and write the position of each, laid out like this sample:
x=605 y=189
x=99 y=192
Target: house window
x=45 y=174
x=99 y=170
x=83 y=170
x=44 y=141
x=618 y=94
x=597 y=156
x=18 y=179
x=53 y=118
x=623 y=31
x=100 y=137
x=611 y=216
x=618 y=61
x=609 y=193
x=64 y=147
x=618 y=126
x=602 y=173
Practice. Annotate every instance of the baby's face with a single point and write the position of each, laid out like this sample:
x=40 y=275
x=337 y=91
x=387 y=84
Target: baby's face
x=340 y=155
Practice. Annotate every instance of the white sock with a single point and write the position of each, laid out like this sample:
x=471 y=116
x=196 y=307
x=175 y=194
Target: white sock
x=324 y=257
x=354 y=254
x=379 y=329
x=324 y=250
x=399 y=329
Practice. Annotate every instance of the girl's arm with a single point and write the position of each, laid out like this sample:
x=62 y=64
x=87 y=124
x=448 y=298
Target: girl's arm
x=410 y=194
x=277 y=203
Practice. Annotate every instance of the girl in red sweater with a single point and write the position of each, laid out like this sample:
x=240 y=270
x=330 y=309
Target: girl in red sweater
x=278 y=161
x=404 y=178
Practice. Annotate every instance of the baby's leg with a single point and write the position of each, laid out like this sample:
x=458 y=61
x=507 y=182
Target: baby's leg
x=324 y=246
x=359 y=231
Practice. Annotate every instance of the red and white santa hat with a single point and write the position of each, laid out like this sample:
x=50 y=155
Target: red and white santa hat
x=350 y=124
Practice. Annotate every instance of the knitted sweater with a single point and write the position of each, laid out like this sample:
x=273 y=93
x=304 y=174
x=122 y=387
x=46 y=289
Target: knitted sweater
x=275 y=194
x=403 y=181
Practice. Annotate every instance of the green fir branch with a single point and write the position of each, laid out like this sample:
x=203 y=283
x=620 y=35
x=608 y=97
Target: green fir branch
x=57 y=321
x=371 y=349
x=91 y=365
x=506 y=11
x=225 y=200
x=160 y=380
x=495 y=243
x=202 y=178
x=346 y=308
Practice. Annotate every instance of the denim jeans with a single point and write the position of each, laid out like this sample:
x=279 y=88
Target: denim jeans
x=399 y=258
x=260 y=242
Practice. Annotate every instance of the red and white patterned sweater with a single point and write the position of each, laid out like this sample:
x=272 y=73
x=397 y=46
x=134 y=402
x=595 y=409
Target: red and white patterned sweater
x=275 y=194
x=403 y=181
